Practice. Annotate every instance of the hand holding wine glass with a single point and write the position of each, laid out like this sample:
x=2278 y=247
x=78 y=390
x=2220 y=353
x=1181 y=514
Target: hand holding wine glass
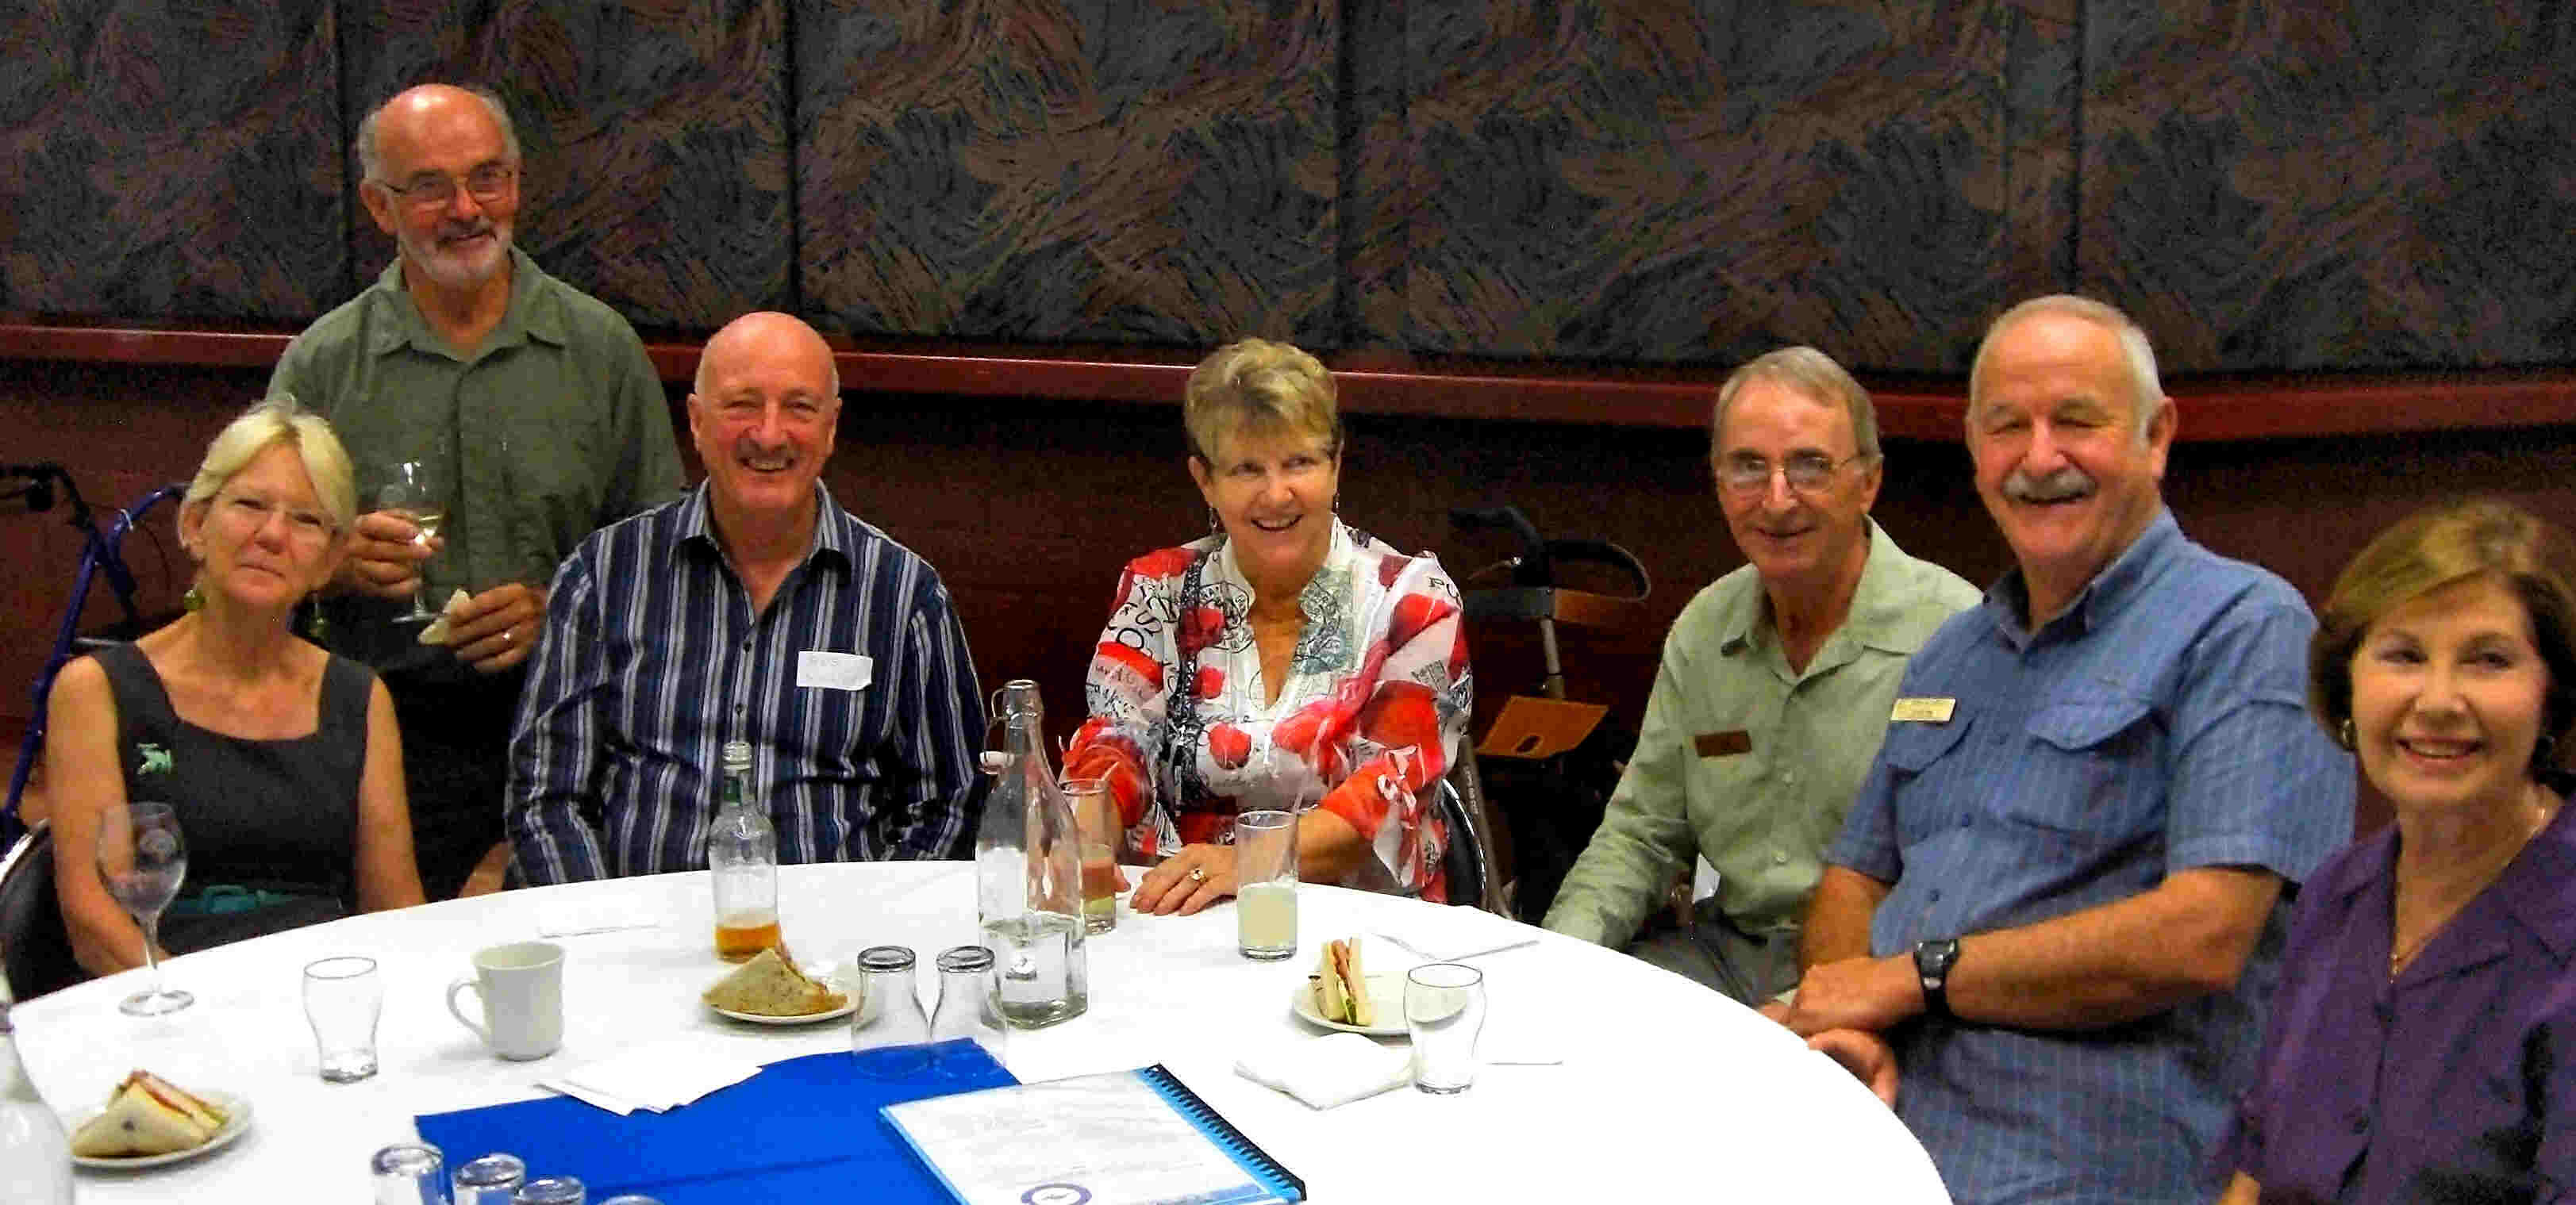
x=142 y=859
x=412 y=492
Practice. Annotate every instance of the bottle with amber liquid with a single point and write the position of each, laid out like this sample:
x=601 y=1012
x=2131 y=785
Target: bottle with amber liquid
x=742 y=858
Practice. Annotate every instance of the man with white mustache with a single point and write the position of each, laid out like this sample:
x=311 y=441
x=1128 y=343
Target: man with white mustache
x=537 y=416
x=1773 y=691
x=2052 y=923
x=753 y=609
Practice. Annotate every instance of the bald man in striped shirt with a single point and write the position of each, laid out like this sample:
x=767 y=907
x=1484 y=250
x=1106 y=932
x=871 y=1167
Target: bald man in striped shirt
x=752 y=609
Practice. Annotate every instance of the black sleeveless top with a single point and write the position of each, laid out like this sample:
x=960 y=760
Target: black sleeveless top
x=267 y=815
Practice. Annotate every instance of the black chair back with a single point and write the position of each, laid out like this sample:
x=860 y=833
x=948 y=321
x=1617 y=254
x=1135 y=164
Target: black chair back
x=35 y=949
x=1474 y=871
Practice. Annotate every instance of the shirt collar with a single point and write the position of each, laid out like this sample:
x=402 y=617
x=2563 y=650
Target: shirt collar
x=833 y=539
x=2102 y=598
x=1878 y=606
x=1337 y=560
x=533 y=315
x=2532 y=890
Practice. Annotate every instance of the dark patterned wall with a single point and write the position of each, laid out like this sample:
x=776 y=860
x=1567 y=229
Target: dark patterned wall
x=1655 y=181
x=2270 y=187
x=1129 y=171
x=169 y=161
x=2290 y=186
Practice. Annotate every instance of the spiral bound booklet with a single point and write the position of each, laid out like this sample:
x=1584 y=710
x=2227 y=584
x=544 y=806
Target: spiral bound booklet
x=1117 y=1138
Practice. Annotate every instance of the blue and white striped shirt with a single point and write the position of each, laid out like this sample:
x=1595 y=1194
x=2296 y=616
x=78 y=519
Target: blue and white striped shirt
x=652 y=659
x=2156 y=726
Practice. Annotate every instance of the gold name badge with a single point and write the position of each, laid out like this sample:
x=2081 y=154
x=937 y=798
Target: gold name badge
x=1922 y=711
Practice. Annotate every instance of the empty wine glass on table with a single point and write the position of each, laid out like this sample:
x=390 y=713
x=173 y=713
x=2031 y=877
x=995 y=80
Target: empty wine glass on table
x=142 y=859
x=411 y=491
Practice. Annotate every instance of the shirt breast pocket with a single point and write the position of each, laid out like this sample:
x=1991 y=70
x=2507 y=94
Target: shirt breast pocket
x=2095 y=770
x=1919 y=769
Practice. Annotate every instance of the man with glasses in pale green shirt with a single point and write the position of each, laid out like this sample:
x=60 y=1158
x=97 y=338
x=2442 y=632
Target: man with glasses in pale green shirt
x=537 y=419
x=1775 y=687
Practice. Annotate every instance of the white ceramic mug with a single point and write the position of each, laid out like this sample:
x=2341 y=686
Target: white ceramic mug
x=521 y=987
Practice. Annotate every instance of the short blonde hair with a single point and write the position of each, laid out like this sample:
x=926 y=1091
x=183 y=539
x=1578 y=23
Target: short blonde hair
x=1260 y=386
x=269 y=422
x=1814 y=376
x=2437 y=547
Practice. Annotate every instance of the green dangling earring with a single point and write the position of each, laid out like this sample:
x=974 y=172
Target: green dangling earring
x=194 y=600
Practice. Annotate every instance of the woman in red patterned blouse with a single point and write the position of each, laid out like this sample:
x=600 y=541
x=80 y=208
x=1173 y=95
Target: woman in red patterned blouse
x=1284 y=661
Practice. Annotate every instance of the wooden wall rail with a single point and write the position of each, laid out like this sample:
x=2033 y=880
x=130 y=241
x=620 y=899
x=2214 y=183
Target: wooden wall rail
x=2213 y=408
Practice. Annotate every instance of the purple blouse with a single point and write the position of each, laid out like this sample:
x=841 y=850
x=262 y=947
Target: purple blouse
x=2455 y=1080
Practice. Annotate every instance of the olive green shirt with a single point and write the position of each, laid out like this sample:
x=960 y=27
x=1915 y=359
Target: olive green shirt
x=556 y=426
x=1746 y=762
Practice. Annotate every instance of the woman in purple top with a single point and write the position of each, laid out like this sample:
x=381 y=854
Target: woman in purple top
x=2419 y=1048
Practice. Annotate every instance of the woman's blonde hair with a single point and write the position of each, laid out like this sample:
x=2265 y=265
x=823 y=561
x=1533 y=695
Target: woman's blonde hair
x=269 y=422
x=2437 y=547
x=1255 y=385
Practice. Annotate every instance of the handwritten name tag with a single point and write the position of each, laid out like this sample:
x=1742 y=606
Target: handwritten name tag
x=817 y=670
x=1922 y=711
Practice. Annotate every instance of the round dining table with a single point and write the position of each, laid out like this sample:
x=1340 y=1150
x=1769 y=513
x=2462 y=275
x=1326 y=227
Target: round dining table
x=1630 y=1082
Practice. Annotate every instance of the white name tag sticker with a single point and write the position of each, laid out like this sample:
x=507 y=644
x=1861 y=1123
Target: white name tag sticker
x=818 y=670
x=1922 y=711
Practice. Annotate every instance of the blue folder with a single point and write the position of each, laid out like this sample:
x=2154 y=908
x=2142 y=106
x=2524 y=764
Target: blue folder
x=806 y=1129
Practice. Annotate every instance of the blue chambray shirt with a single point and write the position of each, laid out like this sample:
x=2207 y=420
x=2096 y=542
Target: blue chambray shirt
x=2156 y=725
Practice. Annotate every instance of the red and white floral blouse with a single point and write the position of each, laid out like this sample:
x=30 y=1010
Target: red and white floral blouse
x=1375 y=705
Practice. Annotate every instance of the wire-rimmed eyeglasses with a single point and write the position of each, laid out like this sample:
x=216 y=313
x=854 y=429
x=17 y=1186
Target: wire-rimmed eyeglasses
x=437 y=190
x=1804 y=471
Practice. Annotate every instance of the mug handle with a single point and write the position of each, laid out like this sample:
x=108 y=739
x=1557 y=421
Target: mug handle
x=461 y=1018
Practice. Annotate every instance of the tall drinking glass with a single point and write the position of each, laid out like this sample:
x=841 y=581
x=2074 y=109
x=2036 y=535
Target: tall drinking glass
x=1095 y=816
x=412 y=491
x=142 y=858
x=1265 y=884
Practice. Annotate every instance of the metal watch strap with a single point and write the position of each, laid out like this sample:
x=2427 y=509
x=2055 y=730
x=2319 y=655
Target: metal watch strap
x=1932 y=962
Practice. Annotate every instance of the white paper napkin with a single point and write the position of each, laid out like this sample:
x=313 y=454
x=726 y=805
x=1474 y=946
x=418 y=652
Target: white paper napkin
x=1449 y=934
x=1335 y=1069
x=656 y=1076
x=558 y=918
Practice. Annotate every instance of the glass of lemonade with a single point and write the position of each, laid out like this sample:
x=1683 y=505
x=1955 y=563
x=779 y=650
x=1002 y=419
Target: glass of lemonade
x=1095 y=816
x=1265 y=884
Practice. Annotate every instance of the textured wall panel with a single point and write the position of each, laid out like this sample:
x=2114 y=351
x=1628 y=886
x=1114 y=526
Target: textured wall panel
x=655 y=136
x=1658 y=181
x=1028 y=170
x=2277 y=186
x=169 y=161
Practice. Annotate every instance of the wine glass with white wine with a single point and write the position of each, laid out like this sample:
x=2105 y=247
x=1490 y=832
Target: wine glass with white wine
x=142 y=858
x=412 y=491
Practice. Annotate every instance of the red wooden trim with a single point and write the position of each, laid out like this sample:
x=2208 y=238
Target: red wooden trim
x=2214 y=408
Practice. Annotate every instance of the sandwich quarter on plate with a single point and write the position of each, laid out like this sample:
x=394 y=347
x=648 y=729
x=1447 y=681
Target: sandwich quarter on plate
x=771 y=990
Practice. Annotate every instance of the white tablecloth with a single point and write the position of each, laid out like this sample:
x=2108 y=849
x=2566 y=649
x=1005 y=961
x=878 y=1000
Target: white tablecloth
x=1667 y=1088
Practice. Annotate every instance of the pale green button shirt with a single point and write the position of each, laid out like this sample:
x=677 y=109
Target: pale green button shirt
x=1746 y=762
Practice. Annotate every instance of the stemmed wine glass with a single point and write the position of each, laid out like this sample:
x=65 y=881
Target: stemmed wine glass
x=412 y=492
x=143 y=858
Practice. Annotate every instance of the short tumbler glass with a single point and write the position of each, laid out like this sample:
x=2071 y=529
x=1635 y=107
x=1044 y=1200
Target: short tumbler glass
x=342 y=998
x=491 y=1180
x=1444 y=1010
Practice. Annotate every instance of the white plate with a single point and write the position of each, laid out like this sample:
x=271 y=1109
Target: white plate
x=849 y=1004
x=1385 y=991
x=236 y=1111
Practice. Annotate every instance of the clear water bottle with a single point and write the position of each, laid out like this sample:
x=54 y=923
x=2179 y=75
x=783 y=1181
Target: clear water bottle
x=1028 y=875
x=35 y=1153
x=742 y=853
